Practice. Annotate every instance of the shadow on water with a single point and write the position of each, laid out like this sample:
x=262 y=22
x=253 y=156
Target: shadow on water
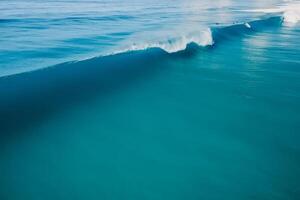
x=29 y=98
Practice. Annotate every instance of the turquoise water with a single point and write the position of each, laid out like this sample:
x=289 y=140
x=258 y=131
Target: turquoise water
x=161 y=110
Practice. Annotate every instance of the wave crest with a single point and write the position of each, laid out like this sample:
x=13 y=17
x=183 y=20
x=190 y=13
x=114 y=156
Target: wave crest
x=171 y=45
x=291 y=17
x=290 y=13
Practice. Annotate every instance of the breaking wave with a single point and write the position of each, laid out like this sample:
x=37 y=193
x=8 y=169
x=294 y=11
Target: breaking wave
x=175 y=44
x=290 y=13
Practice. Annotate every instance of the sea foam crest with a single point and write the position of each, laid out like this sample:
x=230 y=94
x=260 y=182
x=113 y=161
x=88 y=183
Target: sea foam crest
x=290 y=12
x=175 y=43
x=291 y=16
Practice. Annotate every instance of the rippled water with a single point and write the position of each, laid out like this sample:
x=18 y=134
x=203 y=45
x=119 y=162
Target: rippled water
x=178 y=99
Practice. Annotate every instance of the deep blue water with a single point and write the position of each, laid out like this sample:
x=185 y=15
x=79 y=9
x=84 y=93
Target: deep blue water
x=149 y=99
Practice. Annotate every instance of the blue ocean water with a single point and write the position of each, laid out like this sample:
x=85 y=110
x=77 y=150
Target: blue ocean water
x=149 y=99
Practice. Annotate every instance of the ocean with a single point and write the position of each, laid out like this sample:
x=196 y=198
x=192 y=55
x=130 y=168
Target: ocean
x=148 y=99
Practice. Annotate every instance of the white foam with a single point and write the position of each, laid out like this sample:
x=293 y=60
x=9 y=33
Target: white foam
x=266 y=10
x=291 y=17
x=290 y=12
x=247 y=25
x=174 y=44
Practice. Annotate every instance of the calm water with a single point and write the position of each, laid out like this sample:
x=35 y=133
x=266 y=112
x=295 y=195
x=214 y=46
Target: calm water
x=149 y=99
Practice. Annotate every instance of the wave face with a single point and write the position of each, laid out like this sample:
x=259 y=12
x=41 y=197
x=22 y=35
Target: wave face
x=36 y=35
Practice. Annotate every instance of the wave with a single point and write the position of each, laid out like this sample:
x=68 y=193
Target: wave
x=204 y=38
x=288 y=15
x=290 y=12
